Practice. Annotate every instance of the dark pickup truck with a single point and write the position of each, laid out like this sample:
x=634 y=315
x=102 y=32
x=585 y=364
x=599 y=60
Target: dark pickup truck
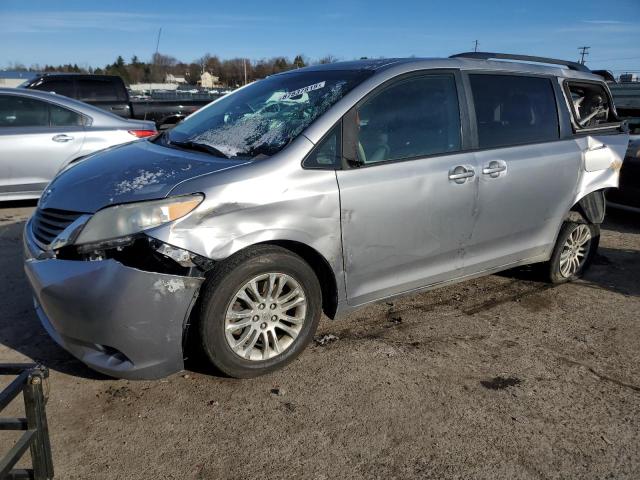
x=109 y=93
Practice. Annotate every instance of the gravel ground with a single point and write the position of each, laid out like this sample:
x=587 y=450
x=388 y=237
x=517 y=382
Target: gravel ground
x=499 y=378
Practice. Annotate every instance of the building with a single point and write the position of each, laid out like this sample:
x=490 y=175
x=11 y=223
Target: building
x=11 y=79
x=209 y=81
x=147 y=87
x=170 y=78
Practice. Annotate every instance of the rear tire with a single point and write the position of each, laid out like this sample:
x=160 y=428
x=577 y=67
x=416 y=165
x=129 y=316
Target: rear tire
x=573 y=253
x=247 y=327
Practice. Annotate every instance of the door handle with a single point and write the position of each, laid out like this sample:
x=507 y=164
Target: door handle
x=62 y=138
x=596 y=147
x=494 y=168
x=461 y=173
x=119 y=108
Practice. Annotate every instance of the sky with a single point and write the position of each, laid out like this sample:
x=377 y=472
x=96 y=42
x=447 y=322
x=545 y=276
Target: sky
x=94 y=33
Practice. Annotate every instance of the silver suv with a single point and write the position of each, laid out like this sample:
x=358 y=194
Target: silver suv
x=320 y=190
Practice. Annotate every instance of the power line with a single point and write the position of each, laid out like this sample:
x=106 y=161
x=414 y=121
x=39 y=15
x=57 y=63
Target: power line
x=584 y=51
x=613 y=59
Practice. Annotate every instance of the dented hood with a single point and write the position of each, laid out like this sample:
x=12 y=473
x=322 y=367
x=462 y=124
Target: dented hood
x=129 y=173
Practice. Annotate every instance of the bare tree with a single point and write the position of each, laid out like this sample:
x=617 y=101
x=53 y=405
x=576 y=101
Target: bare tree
x=328 y=59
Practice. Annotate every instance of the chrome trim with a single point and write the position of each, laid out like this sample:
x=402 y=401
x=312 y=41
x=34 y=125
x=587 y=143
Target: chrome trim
x=64 y=238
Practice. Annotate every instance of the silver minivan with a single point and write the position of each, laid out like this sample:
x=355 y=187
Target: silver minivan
x=320 y=190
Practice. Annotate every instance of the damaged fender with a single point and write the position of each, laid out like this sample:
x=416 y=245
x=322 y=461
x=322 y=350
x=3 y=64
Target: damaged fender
x=602 y=157
x=270 y=209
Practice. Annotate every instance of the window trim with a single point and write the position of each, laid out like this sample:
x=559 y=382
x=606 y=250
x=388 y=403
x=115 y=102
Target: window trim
x=338 y=125
x=472 y=107
x=349 y=135
x=577 y=129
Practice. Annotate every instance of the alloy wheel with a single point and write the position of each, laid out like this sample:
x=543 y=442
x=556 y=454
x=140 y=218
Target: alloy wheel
x=265 y=316
x=575 y=251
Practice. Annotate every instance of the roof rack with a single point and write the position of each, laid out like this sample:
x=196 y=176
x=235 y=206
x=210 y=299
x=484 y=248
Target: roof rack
x=525 y=58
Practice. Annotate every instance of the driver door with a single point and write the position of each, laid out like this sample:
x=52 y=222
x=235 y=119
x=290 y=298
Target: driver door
x=408 y=201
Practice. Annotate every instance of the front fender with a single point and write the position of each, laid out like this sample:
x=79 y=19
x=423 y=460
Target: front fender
x=264 y=203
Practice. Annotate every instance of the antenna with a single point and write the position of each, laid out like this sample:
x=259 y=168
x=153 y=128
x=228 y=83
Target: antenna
x=475 y=46
x=584 y=51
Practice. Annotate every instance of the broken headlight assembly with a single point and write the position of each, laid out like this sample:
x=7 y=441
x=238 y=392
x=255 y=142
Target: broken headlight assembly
x=118 y=233
x=122 y=221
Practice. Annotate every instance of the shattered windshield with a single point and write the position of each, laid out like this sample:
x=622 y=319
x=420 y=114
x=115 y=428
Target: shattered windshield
x=264 y=117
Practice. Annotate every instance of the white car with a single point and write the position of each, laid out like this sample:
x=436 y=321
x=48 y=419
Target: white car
x=41 y=133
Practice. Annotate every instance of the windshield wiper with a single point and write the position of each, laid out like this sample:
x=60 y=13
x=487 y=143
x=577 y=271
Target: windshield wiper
x=201 y=147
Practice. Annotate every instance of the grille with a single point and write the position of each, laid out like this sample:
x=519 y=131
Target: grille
x=48 y=223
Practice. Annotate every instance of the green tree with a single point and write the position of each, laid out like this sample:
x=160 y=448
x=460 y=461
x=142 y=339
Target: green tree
x=299 y=61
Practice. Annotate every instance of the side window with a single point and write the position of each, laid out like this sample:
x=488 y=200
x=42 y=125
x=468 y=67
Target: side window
x=61 y=117
x=327 y=154
x=514 y=110
x=60 y=87
x=590 y=105
x=16 y=111
x=97 y=90
x=415 y=117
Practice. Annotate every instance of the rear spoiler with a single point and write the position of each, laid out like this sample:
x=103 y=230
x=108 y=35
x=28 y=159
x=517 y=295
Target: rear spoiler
x=606 y=74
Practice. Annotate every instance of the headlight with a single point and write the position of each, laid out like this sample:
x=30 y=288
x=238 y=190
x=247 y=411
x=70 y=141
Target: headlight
x=127 y=219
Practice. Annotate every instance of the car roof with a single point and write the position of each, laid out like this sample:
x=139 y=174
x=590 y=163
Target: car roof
x=75 y=75
x=462 y=63
x=100 y=117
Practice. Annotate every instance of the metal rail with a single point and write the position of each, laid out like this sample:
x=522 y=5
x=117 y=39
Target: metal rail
x=523 y=58
x=29 y=380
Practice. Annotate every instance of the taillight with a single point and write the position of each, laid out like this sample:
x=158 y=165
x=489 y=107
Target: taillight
x=142 y=133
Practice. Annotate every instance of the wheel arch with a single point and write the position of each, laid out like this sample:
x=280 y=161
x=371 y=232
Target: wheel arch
x=590 y=208
x=320 y=266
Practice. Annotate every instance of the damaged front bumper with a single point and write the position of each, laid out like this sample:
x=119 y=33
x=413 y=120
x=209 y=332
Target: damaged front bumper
x=118 y=320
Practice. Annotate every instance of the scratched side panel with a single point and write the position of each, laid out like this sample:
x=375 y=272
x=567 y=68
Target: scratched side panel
x=270 y=199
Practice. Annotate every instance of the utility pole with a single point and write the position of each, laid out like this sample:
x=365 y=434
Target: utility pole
x=475 y=46
x=154 y=66
x=584 y=51
x=158 y=40
x=244 y=64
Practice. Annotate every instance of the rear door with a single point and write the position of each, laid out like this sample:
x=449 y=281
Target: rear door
x=408 y=199
x=527 y=174
x=36 y=139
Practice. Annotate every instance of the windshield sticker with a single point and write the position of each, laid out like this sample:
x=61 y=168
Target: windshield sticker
x=300 y=91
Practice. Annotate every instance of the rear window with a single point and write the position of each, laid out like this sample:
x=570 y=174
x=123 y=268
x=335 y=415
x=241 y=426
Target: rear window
x=590 y=104
x=514 y=110
x=60 y=87
x=100 y=90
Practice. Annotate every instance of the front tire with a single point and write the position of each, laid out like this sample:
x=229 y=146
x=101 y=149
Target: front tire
x=259 y=310
x=573 y=253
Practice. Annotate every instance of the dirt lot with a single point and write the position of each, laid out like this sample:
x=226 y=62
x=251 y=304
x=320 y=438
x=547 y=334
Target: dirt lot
x=503 y=377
